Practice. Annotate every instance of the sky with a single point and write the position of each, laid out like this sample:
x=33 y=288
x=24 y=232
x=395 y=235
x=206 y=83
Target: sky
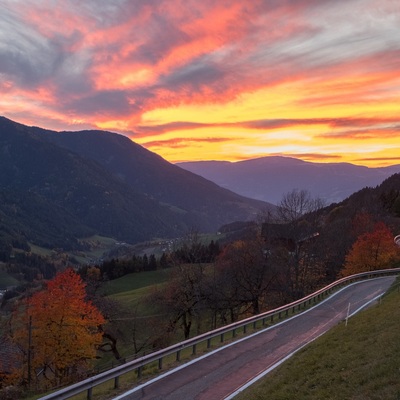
x=197 y=80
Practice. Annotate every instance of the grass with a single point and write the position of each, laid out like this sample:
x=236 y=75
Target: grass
x=131 y=282
x=130 y=291
x=7 y=280
x=357 y=362
x=97 y=246
x=41 y=251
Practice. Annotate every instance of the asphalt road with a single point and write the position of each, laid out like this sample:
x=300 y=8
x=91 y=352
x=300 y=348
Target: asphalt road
x=220 y=374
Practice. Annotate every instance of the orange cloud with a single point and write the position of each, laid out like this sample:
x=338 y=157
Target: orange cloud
x=183 y=142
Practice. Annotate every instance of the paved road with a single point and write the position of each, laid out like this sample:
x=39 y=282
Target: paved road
x=220 y=374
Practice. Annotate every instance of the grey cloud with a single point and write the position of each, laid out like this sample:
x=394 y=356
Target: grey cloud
x=112 y=102
x=23 y=52
x=194 y=75
x=105 y=13
x=29 y=58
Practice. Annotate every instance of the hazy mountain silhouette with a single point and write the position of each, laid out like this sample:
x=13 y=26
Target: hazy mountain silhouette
x=269 y=178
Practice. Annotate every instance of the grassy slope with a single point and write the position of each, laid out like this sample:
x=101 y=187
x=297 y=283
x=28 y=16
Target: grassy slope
x=131 y=282
x=131 y=289
x=7 y=280
x=358 y=362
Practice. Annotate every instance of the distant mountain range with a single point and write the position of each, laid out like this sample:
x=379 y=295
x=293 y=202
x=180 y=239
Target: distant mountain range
x=269 y=178
x=57 y=187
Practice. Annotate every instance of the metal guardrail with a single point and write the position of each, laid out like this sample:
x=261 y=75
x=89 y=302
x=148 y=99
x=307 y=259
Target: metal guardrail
x=138 y=364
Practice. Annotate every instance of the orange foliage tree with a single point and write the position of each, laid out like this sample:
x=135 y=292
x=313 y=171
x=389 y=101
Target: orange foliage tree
x=57 y=330
x=372 y=251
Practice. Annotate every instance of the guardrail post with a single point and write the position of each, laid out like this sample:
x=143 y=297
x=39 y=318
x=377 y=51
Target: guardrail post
x=178 y=355
x=254 y=325
x=194 y=349
x=222 y=337
x=139 y=372
x=244 y=328
x=89 y=394
x=116 y=382
x=234 y=333
x=160 y=360
x=263 y=321
x=208 y=343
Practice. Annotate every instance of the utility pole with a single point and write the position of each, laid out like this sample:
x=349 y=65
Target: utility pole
x=29 y=351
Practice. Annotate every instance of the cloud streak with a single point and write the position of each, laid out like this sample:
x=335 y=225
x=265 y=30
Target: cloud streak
x=163 y=71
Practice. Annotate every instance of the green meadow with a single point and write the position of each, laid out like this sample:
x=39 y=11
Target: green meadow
x=128 y=284
x=7 y=280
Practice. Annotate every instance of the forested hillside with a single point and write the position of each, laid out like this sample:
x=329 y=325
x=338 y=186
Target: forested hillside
x=104 y=184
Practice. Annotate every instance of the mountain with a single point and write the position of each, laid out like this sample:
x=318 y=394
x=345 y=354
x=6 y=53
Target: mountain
x=269 y=178
x=200 y=202
x=58 y=187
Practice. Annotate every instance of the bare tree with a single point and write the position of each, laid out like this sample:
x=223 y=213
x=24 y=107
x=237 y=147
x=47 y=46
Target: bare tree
x=296 y=204
x=181 y=298
x=294 y=240
x=247 y=274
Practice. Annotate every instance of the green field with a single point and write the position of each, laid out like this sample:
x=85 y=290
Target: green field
x=130 y=292
x=359 y=362
x=132 y=282
x=6 y=280
x=96 y=247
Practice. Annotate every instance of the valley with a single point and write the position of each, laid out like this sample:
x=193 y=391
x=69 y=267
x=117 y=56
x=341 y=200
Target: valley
x=166 y=254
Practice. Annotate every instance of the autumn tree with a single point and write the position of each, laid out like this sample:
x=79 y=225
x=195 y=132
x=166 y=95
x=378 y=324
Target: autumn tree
x=372 y=251
x=57 y=331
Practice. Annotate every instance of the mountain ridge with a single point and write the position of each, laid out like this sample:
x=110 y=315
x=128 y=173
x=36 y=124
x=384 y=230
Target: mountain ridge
x=103 y=192
x=269 y=178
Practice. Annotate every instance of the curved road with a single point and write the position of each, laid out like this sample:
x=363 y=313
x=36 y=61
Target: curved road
x=222 y=373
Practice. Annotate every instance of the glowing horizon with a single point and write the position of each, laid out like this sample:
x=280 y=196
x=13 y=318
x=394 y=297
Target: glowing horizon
x=227 y=80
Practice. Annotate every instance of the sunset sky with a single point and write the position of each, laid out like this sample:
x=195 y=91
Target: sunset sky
x=210 y=79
